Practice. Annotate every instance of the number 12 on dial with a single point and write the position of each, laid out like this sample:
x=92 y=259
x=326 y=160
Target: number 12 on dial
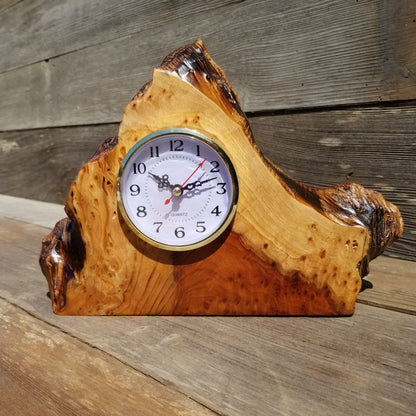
x=177 y=189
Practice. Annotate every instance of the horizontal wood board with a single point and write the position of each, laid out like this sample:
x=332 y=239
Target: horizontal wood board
x=66 y=26
x=45 y=214
x=254 y=366
x=45 y=371
x=41 y=164
x=390 y=285
x=373 y=146
x=77 y=63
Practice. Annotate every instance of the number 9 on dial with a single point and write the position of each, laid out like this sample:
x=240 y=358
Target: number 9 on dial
x=177 y=189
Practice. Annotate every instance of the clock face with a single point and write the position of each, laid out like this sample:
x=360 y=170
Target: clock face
x=177 y=189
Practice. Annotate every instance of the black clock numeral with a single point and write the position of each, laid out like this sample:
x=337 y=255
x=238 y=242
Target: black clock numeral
x=180 y=232
x=222 y=189
x=139 y=168
x=216 y=166
x=198 y=150
x=216 y=211
x=154 y=151
x=200 y=227
x=158 y=225
x=134 y=190
x=176 y=145
x=141 y=211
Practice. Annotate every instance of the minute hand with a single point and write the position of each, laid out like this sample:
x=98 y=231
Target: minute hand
x=195 y=184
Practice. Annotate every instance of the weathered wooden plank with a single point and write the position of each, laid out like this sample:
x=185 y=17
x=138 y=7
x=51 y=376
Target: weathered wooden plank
x=45 y=214
x=44 y=371
x=6 y=4
x=256 y=366
x=41 y=29
x=373 y=146
x=27 y=159
x=389 y=281
x=276 y=54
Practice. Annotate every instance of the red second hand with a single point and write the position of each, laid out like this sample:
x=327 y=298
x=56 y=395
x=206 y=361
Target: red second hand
x=190 y=176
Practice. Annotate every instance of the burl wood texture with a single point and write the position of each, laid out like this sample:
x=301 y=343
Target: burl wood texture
x=291 y=249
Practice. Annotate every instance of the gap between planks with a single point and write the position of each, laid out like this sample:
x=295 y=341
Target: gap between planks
x=336 y=59
x=324 y=108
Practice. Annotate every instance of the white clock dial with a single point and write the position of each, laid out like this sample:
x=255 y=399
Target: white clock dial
x=177 y=189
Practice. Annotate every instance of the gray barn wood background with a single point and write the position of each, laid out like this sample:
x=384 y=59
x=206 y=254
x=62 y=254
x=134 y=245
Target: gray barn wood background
x=329 y=85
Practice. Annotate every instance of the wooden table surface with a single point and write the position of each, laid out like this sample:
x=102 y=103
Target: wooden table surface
x=146 y=365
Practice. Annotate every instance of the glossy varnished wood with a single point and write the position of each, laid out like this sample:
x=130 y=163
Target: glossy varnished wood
x=291 y=249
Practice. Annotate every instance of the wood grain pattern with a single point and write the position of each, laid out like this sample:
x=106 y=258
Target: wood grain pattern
x=385 y=291
x=276 y=54
x=298 y=53
x=373 y=146
x=240 y=365
x=37 y=360
x=303 y=257
x=68 y=26
x=391 y=281
x=41 y=213
x=26 y=156
x=6 y=4
x=370 y=145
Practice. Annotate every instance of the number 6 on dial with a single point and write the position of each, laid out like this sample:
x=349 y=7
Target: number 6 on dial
x=177 y=189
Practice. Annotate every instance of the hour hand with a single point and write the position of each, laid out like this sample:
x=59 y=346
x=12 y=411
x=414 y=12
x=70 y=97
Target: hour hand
x=193 y=185
x=162 y=181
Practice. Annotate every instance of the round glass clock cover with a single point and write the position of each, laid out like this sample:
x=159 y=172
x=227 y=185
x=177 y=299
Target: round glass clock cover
x=177 y=189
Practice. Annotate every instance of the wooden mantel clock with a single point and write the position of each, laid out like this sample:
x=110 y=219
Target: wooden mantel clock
x=183 y=215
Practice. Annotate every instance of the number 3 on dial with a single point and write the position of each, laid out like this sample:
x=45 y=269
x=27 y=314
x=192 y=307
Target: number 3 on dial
x=177 y=189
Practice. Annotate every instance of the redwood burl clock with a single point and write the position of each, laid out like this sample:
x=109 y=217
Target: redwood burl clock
x=181 y=214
